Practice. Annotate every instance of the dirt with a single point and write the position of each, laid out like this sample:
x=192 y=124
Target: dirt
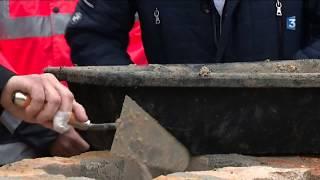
x=286 y=68
x=204 y=71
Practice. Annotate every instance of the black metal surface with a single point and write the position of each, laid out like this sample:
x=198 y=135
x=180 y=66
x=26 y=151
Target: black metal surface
x=251 y=115
x=246 y=121
x=103 y=105
x=224 y=120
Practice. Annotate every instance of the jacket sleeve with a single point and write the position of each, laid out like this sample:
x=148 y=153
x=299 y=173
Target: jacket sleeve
x=5 y=74
x=98 y=32
x=312 y=31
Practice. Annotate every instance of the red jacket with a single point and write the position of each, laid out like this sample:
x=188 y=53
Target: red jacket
x=32 y=35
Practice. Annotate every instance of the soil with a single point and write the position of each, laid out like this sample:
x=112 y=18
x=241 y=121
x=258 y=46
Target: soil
x=204 y=71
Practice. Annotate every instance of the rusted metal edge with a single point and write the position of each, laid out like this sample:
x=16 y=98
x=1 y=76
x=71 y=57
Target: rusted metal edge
x=279 y=74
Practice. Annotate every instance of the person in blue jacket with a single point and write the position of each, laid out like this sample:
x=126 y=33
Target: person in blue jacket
x=196 y=31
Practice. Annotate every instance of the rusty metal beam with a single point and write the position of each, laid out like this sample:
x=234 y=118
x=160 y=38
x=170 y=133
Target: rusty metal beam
x=288 y=74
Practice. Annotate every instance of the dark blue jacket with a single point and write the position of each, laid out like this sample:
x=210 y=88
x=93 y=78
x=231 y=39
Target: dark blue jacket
x=191 y=31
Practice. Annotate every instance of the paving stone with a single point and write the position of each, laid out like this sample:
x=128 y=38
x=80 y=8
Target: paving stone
x=209 y=162
x=95 y=165
x=243 y=173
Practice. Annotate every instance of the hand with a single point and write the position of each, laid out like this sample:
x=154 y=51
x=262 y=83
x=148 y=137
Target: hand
x=48 y=96
x=69 y=144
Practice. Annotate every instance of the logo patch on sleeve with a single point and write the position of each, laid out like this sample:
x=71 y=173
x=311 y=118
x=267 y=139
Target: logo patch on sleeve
x=77 y=16
x=291 y=23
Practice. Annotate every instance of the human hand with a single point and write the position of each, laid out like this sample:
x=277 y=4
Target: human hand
x=48 y=96
x=69 y=144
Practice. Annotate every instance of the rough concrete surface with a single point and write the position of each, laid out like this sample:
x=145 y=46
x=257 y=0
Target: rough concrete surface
x=243 y=173
x=102 y=165
x=313 y=163
x=92 y=165
x=214 y=161
x=209 y=162
x=105 y=166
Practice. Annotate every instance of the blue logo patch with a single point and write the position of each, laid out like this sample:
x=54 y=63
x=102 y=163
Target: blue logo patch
x=291 y=23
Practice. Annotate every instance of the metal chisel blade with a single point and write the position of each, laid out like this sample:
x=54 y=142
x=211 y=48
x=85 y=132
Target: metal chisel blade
x=95 y=127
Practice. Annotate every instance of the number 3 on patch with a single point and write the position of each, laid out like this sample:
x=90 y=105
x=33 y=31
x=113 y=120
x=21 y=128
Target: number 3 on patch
x=291 y=23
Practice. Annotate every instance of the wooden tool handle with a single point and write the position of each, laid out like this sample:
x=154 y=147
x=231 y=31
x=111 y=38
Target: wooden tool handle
x=23 y=100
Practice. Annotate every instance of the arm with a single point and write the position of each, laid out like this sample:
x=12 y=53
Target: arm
x=5 y=74
x=99 y=35
x=312 y=30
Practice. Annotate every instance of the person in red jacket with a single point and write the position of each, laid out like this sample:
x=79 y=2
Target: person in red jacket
x=31 y=39
x=32 y=35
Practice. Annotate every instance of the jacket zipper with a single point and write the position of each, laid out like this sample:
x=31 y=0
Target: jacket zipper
x=218 y=22
x=279 y=14
x=220 y=29
x=208 y=6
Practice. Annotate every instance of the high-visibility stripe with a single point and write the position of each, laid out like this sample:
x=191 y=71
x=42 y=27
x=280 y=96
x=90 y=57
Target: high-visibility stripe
x=60 y=22
x=37 y=26
x=4 y=9
x=24 y=27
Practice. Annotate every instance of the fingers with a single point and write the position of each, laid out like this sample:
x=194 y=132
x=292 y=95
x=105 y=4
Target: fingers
x=67 y=97
x=31 y=85
x=79 y=144
x=69 y=144
x=59 y=98
x=64 y=108
x=37 y=94
x=47 y=124
x=68 y=103
x=79 y=112
x=53 y=101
